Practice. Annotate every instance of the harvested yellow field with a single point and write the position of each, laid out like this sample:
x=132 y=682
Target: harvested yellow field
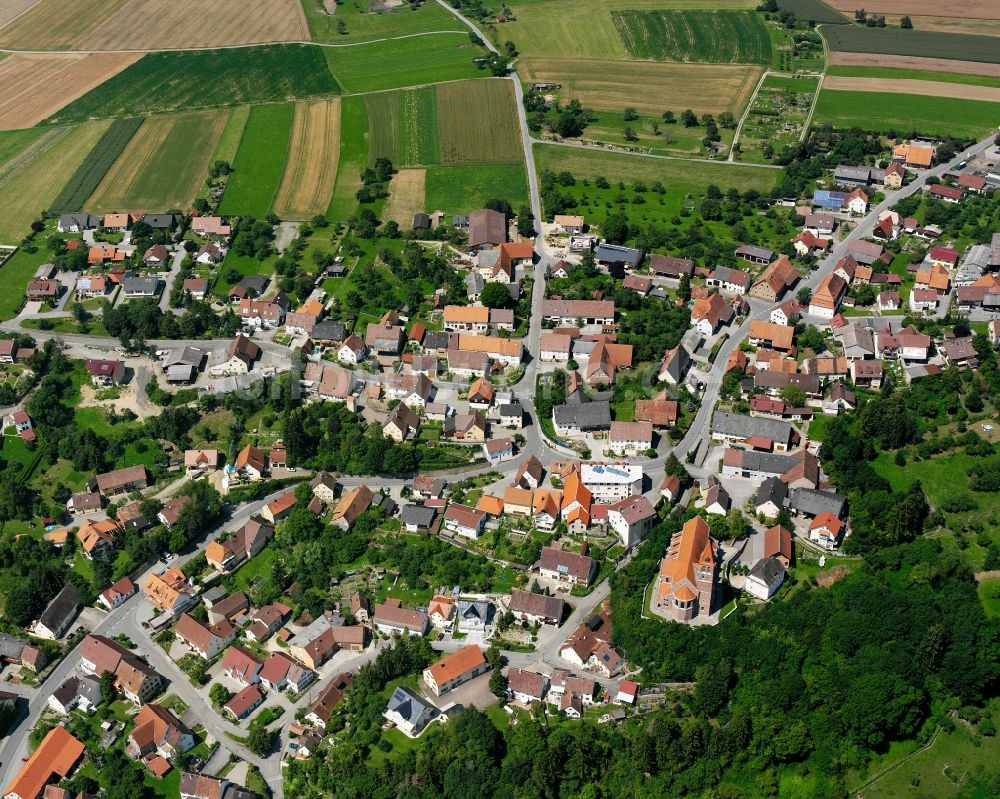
x=311 y=167
x=956 y=9
x=33 y=87
x=839 y=59
x=34 y=188
x=477 y=122
x=649 y=87
x=928 y=88
x=155 y=25
x=406 y=196
x=164 y=164
x=12 y=8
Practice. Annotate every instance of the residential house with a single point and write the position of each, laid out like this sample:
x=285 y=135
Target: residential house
x=117 y=593
x=137 y=681
x=555 y=347
x=632 y=519
x=139 y=286
x=582 y=312
x=867 y=373
x=857 y=203
x=605 y=360
x=239 y=359
x=888 y=301
x=244 y=703
x=391 y=617
x=413 y=391
x=530 y=473
x=498 y=450
x=157 y=738
x=463 y=520
x=251 y=463
x=474 y=616
x=104 y=373
x=55 y=620
x=569 y=224
x=533 y=608
x=570 y=420
x=566 y=567
x=76 y=692
x=210 y=226
x=353 y=350
x=75 y=223
x=735 y=281
x=455 y=669
x=526 y=686
x=97 y=538
x=771 y=496
x=685 y=589
x=775 y=280
x=441 y=610
x=827 y=296
x=825 y=530
x=402 y=424
x=611 y=482
x=210 y=255
x=948 y=194
x=709 y=313
x=321 y=711
x=764 y=579
x=409 y=712
x=351 y=505
x=715 y=499
x=54 y=759
x=740 y=430
x=225 y=555
x=202 y=639
x=775 y=337
x=631 y=438
x=674 y=365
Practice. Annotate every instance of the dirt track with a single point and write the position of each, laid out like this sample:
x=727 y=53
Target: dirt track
x=839 y=59
x=928 y=88
x=33 y=87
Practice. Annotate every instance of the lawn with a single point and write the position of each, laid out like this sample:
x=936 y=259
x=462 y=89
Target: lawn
x=896 y=41
x=164 y=165
x=884 y=111
x=716 y=37
x=198 y=79
x=16 y=273
x=690 y=176
x=34 y=184
x=460 y=189
x=938 y=770
x=353 y=157
x=14 y=450
x=989 y=595
x=405 y=62
x=256 y=568
x=362 y=25
x=245 y=265
x=913 y=74
x=92 y=418
x=259 y=162
x=652 y=136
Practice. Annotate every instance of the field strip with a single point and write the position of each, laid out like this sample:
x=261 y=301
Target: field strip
x=601 y=150
x=928 y=88
x=145 y=50
x=124 y=172
x=33 y=87
x=845 y=59
x=311 y=166
x=406 y=196
x=29 y=154
x=963 y=9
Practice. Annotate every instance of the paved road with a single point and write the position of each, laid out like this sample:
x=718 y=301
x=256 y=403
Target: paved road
x=172 y=273
x=698 y=432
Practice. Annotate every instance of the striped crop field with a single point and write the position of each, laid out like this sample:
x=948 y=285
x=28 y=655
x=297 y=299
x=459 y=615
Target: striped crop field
x=714 y=37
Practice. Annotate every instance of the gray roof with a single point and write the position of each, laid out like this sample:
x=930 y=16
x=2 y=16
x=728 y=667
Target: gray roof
x=756 y=252
x=329 y=330
x=136 y=284
x=56 y=617
x=474 y=283
x=414 y=709
x=768 y=462
x=613 y=253
x=586 y=415
x=159 y=221
x=474 y=609
x=82 y=221
x=813 y=502
x=733 y=424
x=770 y=571
x=11 y=646
x=185 y=356
x=863 y=174
x=678 y=363
x=72 y=687
x=771 y=490
x=254 y=283
x=420 y=515
x=511 y=409
x=854 y=338
x=180 y=373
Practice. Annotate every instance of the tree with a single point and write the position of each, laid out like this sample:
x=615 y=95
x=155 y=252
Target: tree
x=495 y=295
x=526 y=222
x=684 y=288
x=803 y=295
x=218 y=693
x=689 y=119
x=630 y=135
x=260 y=740
x=906 y=23
x=630 y=115
x=669 y=118
x=794 y=396
x=615 y=227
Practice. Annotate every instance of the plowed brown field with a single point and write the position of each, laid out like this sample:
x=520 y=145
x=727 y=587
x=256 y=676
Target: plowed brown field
x=154 y=24
x=928 y=88
x=33 y=87
x=914 y=62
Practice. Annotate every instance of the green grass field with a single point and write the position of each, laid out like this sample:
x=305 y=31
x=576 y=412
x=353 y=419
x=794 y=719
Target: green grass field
x=245 y=266
x=460 y=189
x=883 y=111
x=259 y=162
x=364 y=25
x=690 y=176
x=896 y=41
x=15 y=274
x=404 y=62
x=182 y=80
x=229 y=142
x=354 y=146
x=652 y=136
x=913 y=74
x=404 y=126
x=96 y=164
x=716 y=37
x=989 y=595
x=15 y=142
